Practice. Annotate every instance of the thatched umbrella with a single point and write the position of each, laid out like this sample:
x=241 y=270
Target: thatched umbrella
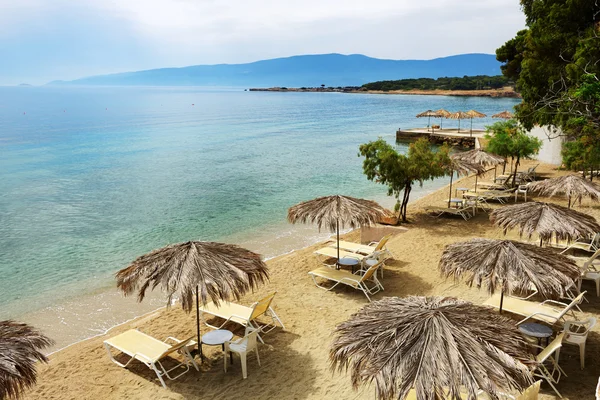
x=509 y=266
x=212 y=271
x=459 y=115
x=330 y=211
x=462 y=167
x=504 y=115
x=436 y=345
x=480 y=157
x=20 y=346
x=441 y=114
x=427 y=114
x=546 y=219
x=572 y=186
x=475 y=114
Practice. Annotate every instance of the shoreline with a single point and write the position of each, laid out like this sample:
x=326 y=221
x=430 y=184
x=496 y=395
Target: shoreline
x=96 y=312
x=294 y=360
x=493 y=93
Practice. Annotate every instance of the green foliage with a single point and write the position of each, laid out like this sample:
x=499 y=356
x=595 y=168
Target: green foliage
x=507 y=139
x=464 y=83
x=383 y=164
x=555 y=65
x=582 y=154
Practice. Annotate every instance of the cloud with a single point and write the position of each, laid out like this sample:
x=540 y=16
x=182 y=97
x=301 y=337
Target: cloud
x=71 y=38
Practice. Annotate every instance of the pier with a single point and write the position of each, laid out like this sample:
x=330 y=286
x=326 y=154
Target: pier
x=464 y=138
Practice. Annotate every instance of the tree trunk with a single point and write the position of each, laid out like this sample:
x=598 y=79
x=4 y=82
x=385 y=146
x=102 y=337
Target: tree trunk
x=405 y=198
x=504 y=166
x=516 y=167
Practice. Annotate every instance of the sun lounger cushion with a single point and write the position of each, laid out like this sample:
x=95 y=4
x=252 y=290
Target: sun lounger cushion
x=525 y=308
x=337 y=275
x=333 y=253
x=238 y=313
x=135 y=342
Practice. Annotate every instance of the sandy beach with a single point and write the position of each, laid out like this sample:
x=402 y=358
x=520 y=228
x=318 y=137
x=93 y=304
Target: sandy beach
x=295 y=361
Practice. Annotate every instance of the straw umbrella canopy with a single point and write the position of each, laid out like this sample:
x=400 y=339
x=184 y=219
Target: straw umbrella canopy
x=436 y=345
x=459 y=115
x=475 y=114
x=462 y=167
x=504 y=115
x=480 y=157
x=572 y=186
x=211 y=271
x=20 y=346
x=441 y=114
x=545 y=219
x=427 y=114
x=510 y=266
x=331 y=211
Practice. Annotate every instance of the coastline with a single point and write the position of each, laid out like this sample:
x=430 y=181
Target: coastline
x=294 y=360
x=86 y=316
x=493 y=93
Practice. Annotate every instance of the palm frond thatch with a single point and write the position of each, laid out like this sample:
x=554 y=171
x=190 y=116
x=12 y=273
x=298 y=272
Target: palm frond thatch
x=572 y=186
x=20 y=346
x=480 y=157
x=436 y=345
x=221 y=272
x=465 y=167
x=510 y=266
x=328 y=211
x=475 y=114
x=428 y=113
x=545 y=219
x=504 y=115
x=441 y=113
x=459 y=115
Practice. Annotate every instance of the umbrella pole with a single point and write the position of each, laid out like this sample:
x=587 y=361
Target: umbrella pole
x=428 y=120
x=450 y=194
x=501 y=299
x=569 y=206
x=337 y=229
x=198 y=325
x=476 y=176
x=471 y=134
x=459 y=125
x=441 y=124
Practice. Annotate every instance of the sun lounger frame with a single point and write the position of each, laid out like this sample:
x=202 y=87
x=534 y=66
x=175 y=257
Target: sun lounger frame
x=257 y=309
x=180 y=346
x=358 y=280
x=559 y=314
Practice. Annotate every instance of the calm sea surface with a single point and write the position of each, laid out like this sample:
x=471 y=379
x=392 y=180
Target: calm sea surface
x=91 y=178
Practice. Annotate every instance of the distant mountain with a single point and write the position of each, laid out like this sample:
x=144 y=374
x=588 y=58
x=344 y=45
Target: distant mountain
x=308 y=70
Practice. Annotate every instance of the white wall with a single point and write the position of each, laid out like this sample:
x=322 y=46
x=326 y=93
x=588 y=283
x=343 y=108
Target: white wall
x=551 y=148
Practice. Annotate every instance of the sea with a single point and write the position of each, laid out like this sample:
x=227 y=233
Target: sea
x=93 y=177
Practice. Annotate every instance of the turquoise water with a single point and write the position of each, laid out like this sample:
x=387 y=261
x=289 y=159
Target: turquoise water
x=91 y=178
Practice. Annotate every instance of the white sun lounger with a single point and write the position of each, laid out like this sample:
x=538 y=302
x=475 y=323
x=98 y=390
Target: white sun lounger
x=245 y=316
x=150 y=351
x=464 y=212
x=364 y=249
x=358 y=280
x=548 y=311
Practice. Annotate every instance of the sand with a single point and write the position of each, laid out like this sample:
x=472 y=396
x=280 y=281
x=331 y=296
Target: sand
x=295 y=360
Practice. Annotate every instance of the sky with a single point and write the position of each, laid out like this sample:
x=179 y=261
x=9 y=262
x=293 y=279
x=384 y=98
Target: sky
x=45 y=40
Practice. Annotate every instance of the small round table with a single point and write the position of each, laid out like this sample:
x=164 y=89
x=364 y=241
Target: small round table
x=535 y=330
x=460 y=189
x=457 y=202
x=217 y=337
x=348 y=262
